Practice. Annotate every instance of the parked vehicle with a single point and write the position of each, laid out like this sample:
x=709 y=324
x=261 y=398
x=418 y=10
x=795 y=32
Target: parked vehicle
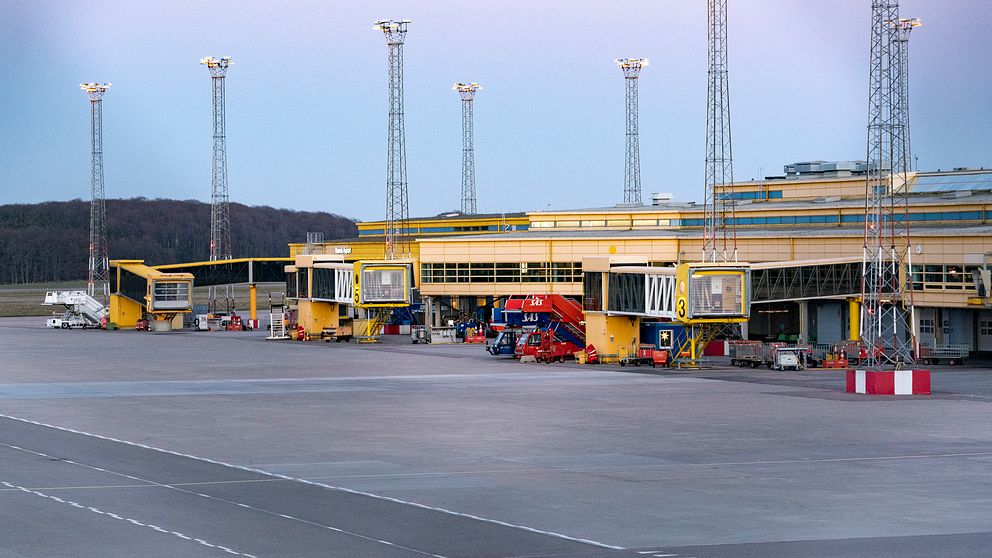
x=337 y=334
x=420 y=334
x=646 y=353
x=68 y=320
x=775 y=355
x=788 y=358
x=543 y=346
x=952 y=354
x=748 y=353
x=505 y=343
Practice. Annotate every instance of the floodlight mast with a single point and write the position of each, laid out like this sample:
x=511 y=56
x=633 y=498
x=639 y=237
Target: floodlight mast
x=98 y=275
x=887 y=316
x=397 y=244
x=903 y=28
x=719 y=239
x=467 y=93
x=631 y=68
x=220 y=208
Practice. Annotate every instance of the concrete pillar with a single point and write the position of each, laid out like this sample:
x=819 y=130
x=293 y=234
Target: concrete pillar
x=854 y=319
x=428 y=311
x=744 y=330
x=803 y=321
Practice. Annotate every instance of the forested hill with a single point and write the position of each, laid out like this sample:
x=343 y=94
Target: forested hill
x=49 y=241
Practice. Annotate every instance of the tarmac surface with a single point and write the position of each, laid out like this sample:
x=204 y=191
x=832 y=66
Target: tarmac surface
x=213 y=444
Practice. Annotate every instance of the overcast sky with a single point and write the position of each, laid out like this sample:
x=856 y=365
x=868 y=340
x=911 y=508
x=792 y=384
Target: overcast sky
x=307 y=106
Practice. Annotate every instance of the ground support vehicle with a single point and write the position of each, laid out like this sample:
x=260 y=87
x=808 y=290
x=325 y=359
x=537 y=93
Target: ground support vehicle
x=951 y=354
x=336 y=334
x=505 y=343
x=748 y=353
x=82 y=310
x=67 y=320
x=420 y=334
x=788 y=358
x=543 y=346
x=776 y=355
x=646 y=353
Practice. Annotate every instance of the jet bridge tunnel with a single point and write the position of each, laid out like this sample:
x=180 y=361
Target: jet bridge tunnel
x=238 y=271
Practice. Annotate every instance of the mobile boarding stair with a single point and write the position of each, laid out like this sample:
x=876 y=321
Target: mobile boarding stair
x=277 y=316
x=78 y=304
x=556 y=313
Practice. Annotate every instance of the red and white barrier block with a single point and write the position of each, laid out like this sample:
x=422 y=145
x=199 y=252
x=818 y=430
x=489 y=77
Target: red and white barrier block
x=889 y=382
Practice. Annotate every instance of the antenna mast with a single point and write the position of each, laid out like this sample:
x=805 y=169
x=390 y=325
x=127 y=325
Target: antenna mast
x=467 y=93
x=631 y=68
x=98 y=277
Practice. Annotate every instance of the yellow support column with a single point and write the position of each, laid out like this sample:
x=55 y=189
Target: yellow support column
x=252 y=303
x=854 y=314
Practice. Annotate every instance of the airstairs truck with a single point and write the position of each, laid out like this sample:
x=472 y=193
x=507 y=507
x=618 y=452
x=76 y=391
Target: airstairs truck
x=82 y=310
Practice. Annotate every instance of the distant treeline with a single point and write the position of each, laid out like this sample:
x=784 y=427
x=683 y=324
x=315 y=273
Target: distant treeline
x=50 y=241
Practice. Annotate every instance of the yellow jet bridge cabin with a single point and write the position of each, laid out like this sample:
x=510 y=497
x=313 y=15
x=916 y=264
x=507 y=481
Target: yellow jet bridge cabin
x=325 y=288
x=620 y=292
x=141 y=292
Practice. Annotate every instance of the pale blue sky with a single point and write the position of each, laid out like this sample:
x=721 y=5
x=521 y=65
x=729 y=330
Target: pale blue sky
x=307 y=96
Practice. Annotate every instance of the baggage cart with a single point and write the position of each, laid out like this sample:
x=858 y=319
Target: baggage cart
x=951 y=354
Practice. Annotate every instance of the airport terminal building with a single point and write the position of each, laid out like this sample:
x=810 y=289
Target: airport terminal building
x=803 y=232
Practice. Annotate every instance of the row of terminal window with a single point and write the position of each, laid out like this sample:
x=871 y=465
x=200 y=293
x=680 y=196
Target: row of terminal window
x=759 y=195
x=944 y=277
x=925 y=277
x=832 y=219
x=512 y=272
x=457 y=229
x=777 y=220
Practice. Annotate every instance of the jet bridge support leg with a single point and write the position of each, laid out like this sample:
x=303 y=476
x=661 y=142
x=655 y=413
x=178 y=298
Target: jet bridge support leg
x=253 y=305
x=854 y=319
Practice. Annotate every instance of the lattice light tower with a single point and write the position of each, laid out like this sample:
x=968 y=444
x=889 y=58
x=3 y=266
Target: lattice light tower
x=719 y=239
x=903 y=28
x=631 y=68
x=467 y=93
x=220 y=207
x=886 y=293
x=98 y=277
x=397 y=203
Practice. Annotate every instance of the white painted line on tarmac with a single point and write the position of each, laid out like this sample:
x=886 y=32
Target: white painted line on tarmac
x=119 y=518
x=322 y=485
x=253 y=508
x=145 y=485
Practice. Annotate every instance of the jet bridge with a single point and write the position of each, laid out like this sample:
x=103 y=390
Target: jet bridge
x=250 y=271
x=324 y=288
x=788 y=281
x=702 y=297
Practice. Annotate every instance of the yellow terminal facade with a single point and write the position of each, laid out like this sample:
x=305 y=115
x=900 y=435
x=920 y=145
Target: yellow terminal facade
x=802 y=233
